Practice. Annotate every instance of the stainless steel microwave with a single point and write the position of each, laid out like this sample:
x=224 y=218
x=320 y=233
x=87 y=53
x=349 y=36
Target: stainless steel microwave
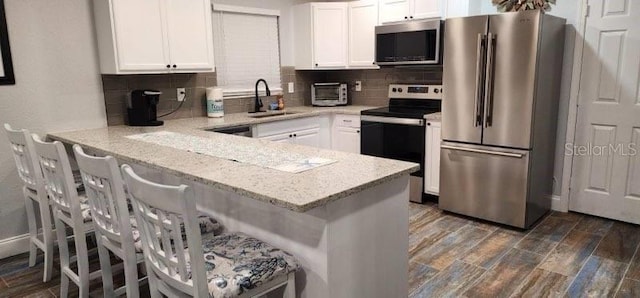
x=409 y=43
x=329 y=94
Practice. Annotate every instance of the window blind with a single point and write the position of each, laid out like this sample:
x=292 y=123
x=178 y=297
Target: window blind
x=246 y=48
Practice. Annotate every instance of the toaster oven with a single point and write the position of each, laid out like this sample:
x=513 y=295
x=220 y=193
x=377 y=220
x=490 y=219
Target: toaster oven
x=329 y=94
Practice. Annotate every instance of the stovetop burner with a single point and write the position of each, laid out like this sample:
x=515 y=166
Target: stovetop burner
x=410 y=101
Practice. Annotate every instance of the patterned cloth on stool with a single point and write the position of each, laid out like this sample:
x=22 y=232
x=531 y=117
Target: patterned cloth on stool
x=236 y=262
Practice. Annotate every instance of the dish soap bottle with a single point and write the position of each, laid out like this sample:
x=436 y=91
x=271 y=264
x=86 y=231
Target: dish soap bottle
x=280 y=102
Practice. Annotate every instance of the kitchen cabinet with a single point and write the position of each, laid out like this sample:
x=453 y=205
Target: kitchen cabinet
x=461 y=8
x=321 y=35
x=345 y=135
x=363 y=18
x=309 y=131
x=401 y=10
x=173 y=36
x=432 y=158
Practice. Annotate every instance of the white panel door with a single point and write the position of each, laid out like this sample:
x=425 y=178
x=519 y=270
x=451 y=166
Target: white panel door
x=363 y=18
x=346 y=139
x=140 y=34
x=190 y=34
x=309 y=137
x=330 y=31
x=424 y=9
x=280 y=138
x=394 y=10
x=432 y=158
x=606 y=173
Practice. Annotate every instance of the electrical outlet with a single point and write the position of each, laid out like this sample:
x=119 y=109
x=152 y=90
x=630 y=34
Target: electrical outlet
x=291 y=87
x=358 y=86
x=181 y=93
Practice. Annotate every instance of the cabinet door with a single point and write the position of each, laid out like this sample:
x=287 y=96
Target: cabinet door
x=330 y=30
x=190 y=34
x=280 y=138
x=346 y=139
x=363 y=18
x=394 y=10
x=432 y=158
x=309 y=137
x=141 y=42
x=424 y=9
x=460 y=8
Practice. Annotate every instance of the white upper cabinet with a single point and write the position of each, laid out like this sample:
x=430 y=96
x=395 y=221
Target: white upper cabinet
x=363 y=18
x=460 y=8
x=401 y=10
x=190 y=32
x=154 y=36
x=321 y=35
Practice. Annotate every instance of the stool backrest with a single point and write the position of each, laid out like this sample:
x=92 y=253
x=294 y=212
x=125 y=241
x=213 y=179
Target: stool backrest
x=160 y=211
x=107 y=201
x=58 y=178
x=25 y=157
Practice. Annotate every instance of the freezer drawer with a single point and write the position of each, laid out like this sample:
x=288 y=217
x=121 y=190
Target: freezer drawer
x=484 y=182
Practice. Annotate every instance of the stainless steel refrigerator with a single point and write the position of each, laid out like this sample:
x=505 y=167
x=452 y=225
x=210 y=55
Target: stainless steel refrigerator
x=502 y=85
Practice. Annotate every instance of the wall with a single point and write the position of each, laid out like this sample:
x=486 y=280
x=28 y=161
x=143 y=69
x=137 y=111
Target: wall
x=57 y=86
x=570 y=10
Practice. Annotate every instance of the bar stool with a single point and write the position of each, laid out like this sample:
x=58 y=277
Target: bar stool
x=34 y=193
x=69 y=210
x=111 y=220
x=228 y=265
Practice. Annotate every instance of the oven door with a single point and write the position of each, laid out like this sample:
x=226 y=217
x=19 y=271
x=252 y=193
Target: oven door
x=396 y=138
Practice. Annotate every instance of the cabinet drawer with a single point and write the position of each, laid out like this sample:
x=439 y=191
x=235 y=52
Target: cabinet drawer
x=285 y=126
x=347 y=121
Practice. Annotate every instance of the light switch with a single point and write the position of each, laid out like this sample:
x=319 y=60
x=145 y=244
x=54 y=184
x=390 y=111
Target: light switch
x=290 y=87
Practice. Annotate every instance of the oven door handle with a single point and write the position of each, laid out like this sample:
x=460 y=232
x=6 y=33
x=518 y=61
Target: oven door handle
x=391 y=120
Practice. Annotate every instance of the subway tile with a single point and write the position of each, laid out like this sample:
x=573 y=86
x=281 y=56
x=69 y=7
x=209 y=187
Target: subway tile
x=569 y=256
x=620 y=242
x=113 y=83
x=506 y=276
x=599 y=278
x=183 y=80
x=148 y=81
x=115 y=97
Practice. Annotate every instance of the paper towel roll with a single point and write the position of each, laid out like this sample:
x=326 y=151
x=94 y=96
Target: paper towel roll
x=215 y=102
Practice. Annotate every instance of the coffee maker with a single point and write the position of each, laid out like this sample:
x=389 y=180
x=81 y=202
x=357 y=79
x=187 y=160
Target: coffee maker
x=142 y=108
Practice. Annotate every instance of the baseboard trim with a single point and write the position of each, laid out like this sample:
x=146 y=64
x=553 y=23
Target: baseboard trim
x=558 y=204
x=14 y=245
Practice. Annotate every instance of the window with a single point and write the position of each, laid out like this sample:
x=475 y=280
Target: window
x=247 y=48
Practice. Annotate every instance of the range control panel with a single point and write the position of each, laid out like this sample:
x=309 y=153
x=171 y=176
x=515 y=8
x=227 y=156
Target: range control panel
x=415 y=91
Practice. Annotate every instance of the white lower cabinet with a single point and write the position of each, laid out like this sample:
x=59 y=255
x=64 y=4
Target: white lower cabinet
x=311 y=131
x=432 y=158
x=345 y=135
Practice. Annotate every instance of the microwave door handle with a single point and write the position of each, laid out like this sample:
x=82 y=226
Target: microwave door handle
x=491 y=61
x=480 y=54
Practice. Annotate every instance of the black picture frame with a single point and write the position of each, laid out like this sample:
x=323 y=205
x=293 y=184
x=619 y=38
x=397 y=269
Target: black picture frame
x=7 y=62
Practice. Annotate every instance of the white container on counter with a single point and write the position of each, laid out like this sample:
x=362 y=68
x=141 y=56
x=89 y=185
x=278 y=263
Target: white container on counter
x=215 y=102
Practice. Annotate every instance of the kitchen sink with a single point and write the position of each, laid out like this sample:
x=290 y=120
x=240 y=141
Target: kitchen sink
x=269 y=114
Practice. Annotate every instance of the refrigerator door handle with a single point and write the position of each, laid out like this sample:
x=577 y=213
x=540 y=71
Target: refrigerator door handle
x=488 y=88
x=507 y=154
x=480 y=54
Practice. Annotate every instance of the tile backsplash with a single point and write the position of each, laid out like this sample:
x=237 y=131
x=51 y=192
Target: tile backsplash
x=117 y=89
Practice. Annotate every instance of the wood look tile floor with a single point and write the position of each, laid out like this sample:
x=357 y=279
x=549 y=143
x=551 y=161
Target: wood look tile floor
x=563 y=255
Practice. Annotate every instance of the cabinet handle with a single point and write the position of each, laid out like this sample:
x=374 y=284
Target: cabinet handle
x=405 y=18
x=168 y=66
x=316 y=64
x=358 y=131
x=291 y=136
x=174 y=66
x=428 y=124
x=295 y=135
x=411 y=17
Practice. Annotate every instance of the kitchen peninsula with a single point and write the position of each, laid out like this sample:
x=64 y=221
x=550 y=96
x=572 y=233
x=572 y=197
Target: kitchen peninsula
x=346 y=220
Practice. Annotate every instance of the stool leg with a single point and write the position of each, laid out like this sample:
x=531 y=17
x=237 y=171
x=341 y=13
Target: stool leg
x=33 y=228
x=290 y=291
x=105 y=266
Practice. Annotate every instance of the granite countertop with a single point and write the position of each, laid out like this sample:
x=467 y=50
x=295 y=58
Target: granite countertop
x=434 y=116
x=300 y=192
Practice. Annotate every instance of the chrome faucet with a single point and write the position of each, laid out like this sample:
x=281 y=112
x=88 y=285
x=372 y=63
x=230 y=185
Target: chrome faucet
x=258 y=101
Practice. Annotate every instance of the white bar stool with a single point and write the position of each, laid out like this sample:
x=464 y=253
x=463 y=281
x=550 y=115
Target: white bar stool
x=34 y=193
x=111 y=220
x=69 y=210
x=222 y=266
